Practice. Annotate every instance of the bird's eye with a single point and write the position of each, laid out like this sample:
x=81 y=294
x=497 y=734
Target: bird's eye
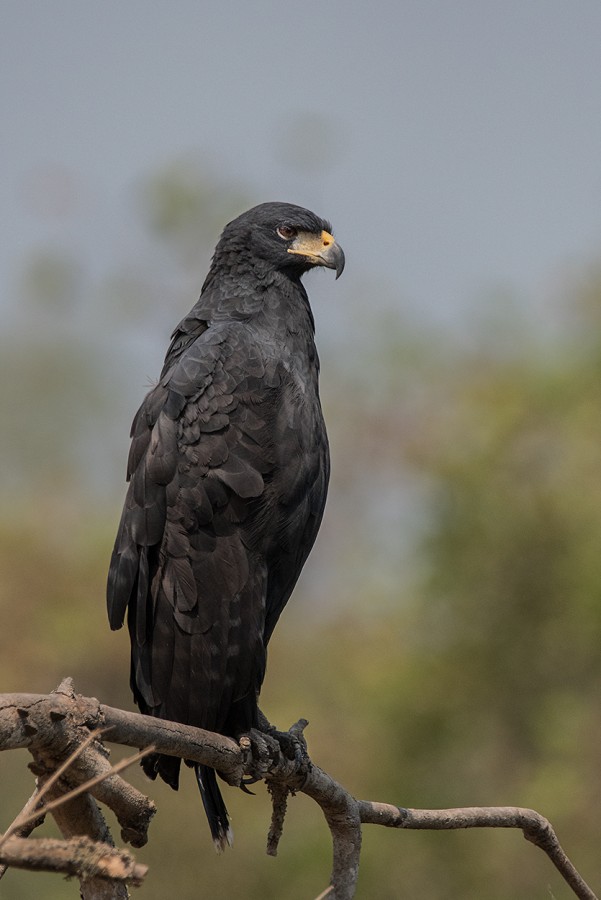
x=287 y=232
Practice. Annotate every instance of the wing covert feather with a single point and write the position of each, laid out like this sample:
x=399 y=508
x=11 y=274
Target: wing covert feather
x=184 y=560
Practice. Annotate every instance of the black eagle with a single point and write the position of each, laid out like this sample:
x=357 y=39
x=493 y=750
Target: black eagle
x=228 y=473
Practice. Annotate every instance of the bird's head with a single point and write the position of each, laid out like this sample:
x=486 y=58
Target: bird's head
x=287 y=237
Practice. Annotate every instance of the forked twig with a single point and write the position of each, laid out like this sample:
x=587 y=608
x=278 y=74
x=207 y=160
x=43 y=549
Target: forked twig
x=86 y=786
x=327 y=893
x=29 y=815
x=35 y=810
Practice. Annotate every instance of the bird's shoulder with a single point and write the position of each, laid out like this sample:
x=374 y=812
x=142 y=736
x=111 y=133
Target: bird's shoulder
x=210 y=413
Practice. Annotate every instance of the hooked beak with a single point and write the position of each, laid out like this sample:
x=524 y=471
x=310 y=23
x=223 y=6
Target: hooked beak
x=319 y=250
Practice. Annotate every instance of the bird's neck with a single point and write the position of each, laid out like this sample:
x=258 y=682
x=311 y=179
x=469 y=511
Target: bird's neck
x=252 y=291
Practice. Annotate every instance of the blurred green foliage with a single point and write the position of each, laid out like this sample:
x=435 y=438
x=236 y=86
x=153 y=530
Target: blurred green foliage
x=185 y=205
x=445 y=643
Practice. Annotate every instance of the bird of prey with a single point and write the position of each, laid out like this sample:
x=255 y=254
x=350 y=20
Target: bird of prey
x=228 y=473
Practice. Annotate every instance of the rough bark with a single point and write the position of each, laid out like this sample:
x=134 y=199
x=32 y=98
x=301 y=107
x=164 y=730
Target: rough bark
x=62 y=727
x=79 y=857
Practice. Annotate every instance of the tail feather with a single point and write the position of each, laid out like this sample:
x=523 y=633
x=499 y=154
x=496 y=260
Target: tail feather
x=217 y=814
x=166 y=766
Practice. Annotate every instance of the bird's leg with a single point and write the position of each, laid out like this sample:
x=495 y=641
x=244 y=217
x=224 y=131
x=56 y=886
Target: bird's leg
x=265 y=744
x=292 y=742
x=263 y=749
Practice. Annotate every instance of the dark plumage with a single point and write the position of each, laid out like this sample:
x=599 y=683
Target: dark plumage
x=228 y=473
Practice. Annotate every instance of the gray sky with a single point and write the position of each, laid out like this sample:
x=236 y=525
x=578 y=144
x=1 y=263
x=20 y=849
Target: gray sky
x=466 y=134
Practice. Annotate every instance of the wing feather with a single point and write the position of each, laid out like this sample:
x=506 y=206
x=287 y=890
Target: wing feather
x=183 y=560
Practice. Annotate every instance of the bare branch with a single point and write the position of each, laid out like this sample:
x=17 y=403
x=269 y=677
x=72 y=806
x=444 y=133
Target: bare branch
x=85 y=788
x=24 y=722
x=535 y=828
x=79 y=856
x=135 y=730
x=327 y=893
x=79 y=817
x=52 y=726
x=34 y=809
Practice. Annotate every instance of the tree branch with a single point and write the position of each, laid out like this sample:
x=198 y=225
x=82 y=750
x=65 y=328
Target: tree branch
x=534 y=827
x=79 y=856
x=52 y=726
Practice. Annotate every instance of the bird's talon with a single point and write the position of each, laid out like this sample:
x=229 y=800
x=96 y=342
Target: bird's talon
x=249 y=779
